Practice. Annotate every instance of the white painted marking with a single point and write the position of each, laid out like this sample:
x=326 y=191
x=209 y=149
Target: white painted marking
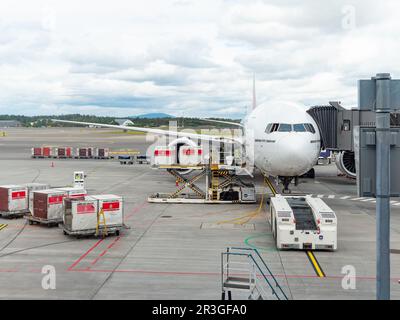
x=368 y=200
x=320 y=196
x=331 y=196
x=357 y=199
x=345 y=197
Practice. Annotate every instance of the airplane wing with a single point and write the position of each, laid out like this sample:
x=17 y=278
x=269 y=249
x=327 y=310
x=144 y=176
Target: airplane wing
x=158 y=131
x=224 y=122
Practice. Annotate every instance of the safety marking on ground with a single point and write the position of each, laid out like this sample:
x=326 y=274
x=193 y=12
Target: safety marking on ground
x=362 y=199
x=368 y=200
x=2 y=226
x=314 y=262
x=357 y=199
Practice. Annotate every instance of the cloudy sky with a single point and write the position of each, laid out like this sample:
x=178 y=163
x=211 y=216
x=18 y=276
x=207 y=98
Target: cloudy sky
x=189 y=57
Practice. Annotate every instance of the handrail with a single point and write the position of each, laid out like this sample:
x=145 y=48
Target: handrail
x=265 y=265
x=277 y=286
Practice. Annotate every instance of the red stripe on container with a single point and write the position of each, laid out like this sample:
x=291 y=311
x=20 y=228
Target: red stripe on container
x=18 y=195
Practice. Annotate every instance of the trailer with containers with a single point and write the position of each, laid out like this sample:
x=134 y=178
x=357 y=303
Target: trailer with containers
x=44 y=152
x=93 y=215
x=102 y=153
x=63 y=152
x=47 y=207
x=84 y=153
x=303 y=222
x=13 y=200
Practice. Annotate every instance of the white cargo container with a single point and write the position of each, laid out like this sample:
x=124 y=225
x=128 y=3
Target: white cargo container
x=112 y=206
x=73 y=192
x=303 y=222
x=13 y=199
x=191 y=156
x=80 y=214
x=164 y=156
x=32 y=187
x=48 y=204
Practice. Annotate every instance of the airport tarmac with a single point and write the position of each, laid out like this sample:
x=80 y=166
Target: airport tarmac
x=171 y=251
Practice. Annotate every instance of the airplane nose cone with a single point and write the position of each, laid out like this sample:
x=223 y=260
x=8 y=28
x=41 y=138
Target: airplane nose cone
x=296 y=157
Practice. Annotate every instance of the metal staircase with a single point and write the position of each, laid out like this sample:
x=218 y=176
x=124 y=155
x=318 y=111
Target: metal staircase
x=244 y=270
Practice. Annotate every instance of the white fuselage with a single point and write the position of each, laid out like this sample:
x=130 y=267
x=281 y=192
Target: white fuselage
x=288 y=151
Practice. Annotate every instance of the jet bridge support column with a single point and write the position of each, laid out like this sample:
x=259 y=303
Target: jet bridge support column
x=383 y=185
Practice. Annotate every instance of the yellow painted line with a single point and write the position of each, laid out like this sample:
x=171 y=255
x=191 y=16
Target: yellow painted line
x=317 y=268
x=2 y=226
x=271 y=186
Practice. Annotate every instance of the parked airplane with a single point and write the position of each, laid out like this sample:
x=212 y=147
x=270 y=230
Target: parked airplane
x=281 y=140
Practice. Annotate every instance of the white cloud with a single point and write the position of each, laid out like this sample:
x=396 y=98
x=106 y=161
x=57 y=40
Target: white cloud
x=193 y=58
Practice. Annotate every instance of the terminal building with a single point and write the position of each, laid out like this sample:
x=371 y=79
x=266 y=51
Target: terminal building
x=10 y=123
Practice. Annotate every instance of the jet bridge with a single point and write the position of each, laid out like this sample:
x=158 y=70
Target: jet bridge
x=338 y=129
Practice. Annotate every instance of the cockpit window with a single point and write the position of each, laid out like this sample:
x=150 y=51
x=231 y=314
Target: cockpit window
x=285 y=127
x=300 y=127
x=272 y=127
x=309 y=127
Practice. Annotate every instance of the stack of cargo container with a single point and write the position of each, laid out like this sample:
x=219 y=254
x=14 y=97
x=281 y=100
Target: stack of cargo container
x=102 y=153
x=32 y=187
x=191 y=156
x=83 y=216
x=69 y=152
x=13 y=200
x=84 y=153
x=165 y=156
x=63 y=152
x=48 y=205
x=43 y=152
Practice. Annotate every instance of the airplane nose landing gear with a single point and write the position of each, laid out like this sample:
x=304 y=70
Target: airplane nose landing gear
x=286 y=182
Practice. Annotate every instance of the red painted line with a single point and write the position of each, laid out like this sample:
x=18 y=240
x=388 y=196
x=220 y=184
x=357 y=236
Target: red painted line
x=184 y=273
x=8 y=270
x=136 y=210
x=84 y=255
x=113 y=243
x=105 y=251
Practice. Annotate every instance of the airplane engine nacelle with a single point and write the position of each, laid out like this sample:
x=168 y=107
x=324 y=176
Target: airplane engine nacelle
x=178 y=143
x=346 y=163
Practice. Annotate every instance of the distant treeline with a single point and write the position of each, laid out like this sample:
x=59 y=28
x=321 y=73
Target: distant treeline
x=45 y=121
